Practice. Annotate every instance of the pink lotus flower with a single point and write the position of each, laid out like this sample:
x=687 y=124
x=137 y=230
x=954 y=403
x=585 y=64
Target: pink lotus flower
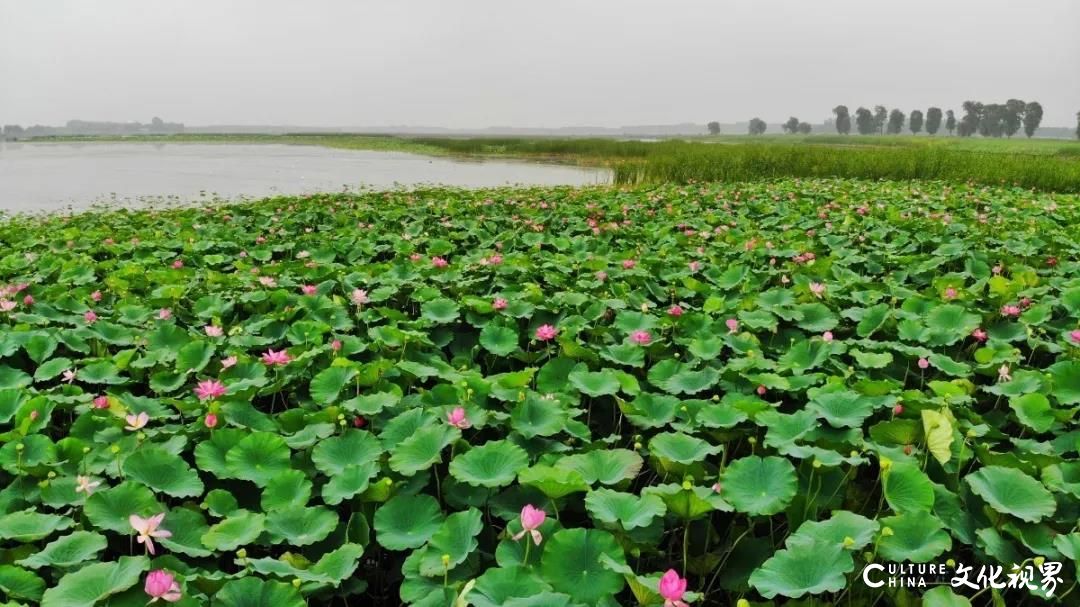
x=177 y=264
x=732 y=325
x=266 y=281
x=827 y=336
x=898 y=409
x=148 y=528
x=601 y=276
x=499 y=303
x=213 y=331
x=336 y=345
x=950 y=293
x=675 y=311
x=272 y=358
x=101 y=402
x=1010 y=310
x=924 y=364
x=1003 y=373
x=761 y=390
x=96 y=296
x=136 y=422
x=495 y=259
x=69 y=376
x=90 y=317
x=672 y=588
x=546 y=332
x=457 y=418
x=164 y=314
x=308 y=289
x=641 y=338
x=979 y=335
x=818 y=289
x=415 y=256
x=439 y=262
x=228 y=362
x=628 y=264
x=209 y=389
x=85 y=485
x=1075 y=337
x=28 y=300
x=531 y=519
x=7 y=305
x=161 y=584
x=210 y=421
x=359 y=297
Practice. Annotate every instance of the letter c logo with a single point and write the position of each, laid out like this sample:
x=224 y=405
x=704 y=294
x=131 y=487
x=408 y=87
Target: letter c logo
x=866 y=575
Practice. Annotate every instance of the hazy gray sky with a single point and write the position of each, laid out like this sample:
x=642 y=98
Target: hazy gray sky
x=475 y=63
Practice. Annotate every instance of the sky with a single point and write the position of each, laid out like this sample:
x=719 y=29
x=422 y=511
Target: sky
x=538 y=63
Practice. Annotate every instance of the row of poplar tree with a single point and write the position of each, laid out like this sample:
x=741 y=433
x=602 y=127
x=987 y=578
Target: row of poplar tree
x=986 y=119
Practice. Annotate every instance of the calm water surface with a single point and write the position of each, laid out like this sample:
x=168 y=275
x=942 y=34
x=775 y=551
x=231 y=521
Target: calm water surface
x=55 y=176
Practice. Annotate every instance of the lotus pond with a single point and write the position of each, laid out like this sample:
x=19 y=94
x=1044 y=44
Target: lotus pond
x=704 y=394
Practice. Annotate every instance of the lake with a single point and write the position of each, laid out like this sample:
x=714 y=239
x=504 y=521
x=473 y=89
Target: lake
x=57 y=176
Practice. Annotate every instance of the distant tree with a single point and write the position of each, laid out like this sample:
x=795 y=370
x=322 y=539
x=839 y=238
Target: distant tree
x=13 y=132
x=969 y=122
x=843 y=119
x=992 y=120
x=1033 y=114
x=757 y=126
x=1013 y=116
x=714 y=128
x=1078 y=125
x=880 y=115
x=896 y=122
x=933 y=120
x=805 y=128
x=864 y=121
x=915 y=122
x=950 y=122
x=791 y=126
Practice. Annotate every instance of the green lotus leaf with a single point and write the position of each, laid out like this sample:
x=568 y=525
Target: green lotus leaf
x=407 y=521
x=327 y=384
x=351 y=481
x=372 y=403
x=220 y=503
x=552 y=481
x=187 y=527
x=607 y=467
x=111 y=508
x=29 y=526
x=95 y=582
x=807 y=567
x=570 y=564
x=423 y=449
x=333 y=455
x=689 y=504
x=840 y=407
x=18 y=583
x=537 y=416
x=595 y=383
x=650 y=410
x=162 y=471
x=194 y=356
x=300 y=525
x=289 y=488
x=51 y=369
x=1012 y=492
x=493 y=464
x=1063 y=478
x=258 y=458
x=757 y=485
x=1065 y=379
x=63 y=552
x=917 y=536
x=499 y=585
x=938 y=430
x=624 y=509
x=872 y=320
x=253 y=592
x=1034 y=411
x=943 y=596
x=500 y=341
x=681 y=448
x=841 y=526
x=238 y=529
x=907 y=488
x=455 y=537
x=440 y=311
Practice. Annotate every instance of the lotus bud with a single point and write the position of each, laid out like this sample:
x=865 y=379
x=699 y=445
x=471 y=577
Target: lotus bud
x=716 y=398
x=683 y=409
x=51 y=474
x=296 y=582
x=687 y=485
x=886 y=532
x=742 y=603
x=848 y=542
x=637 y=446
x=115 y=448
x=677 y=355
x=446 y=560
x=853 y=453
x=20 y=447
x=635 y=552
x=241 y=553
x=86 y=449
x=951 y=563
x=1039 y=561
x=817 y=463
x=885 y=464
x=752 y=440
x=341 y=416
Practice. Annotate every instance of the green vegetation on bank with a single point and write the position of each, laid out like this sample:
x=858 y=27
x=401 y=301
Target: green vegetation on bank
x=1052 y=165
x=552 y=396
